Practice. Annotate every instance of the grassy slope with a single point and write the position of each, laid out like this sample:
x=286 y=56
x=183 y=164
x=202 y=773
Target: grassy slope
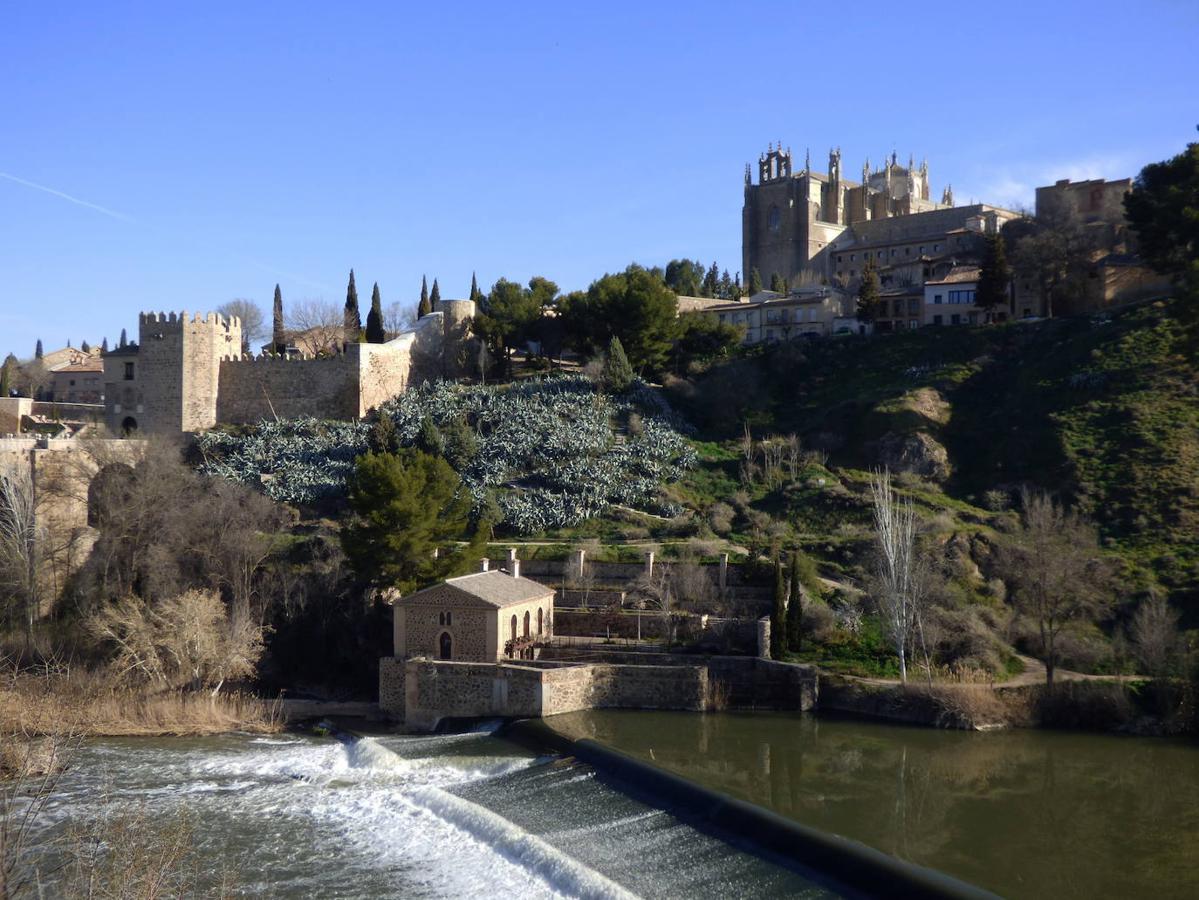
x=1103 y=411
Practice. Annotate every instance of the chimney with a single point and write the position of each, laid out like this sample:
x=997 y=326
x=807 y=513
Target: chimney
x=483 y=564
x=513 y=562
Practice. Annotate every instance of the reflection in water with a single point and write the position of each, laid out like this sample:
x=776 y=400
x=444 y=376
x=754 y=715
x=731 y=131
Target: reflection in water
x=1023 y=813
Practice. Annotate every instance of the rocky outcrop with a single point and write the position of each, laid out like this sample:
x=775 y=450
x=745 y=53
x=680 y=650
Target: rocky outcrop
x=917 y=453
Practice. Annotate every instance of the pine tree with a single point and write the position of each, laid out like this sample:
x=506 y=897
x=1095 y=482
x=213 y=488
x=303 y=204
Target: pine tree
x=618 y=373
x=778 y=283
x=353 y=319
x=6 y=375
x=37 y=351
x=375 y=334
x=755 y=281
x=711 y=286
x=124 y=342
x=726 y=286
x=278 y=333
x=475 y=294
x=778 y=618
x=868 y=294
x=425 y=306
x=795 y=607
x=994 y=277
x=435 y=295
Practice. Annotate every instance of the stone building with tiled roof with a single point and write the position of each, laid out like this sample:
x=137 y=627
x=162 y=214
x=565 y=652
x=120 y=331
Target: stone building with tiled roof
x=491 y=615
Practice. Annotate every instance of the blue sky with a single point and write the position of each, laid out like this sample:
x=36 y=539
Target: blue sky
x=175 y=156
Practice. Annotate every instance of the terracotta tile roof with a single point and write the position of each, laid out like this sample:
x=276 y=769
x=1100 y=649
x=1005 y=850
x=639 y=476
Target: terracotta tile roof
x=959 y=275
x=495 y=588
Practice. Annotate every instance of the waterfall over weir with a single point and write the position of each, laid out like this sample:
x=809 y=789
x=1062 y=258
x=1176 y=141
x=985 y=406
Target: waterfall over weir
x=467 y=815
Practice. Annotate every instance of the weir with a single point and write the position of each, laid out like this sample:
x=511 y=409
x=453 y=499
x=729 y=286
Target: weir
x=854 y=866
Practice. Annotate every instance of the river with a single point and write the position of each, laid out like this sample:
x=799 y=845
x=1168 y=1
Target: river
x=466 y=815
x=1024 y=813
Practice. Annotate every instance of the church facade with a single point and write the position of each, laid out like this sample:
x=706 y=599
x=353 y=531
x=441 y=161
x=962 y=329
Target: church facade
x=811 y=227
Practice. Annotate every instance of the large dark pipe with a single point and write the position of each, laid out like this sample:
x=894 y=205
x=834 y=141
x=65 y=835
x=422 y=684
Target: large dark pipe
x=851 y=867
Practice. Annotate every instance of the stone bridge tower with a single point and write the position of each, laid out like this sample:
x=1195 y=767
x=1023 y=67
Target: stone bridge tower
x=170 y=383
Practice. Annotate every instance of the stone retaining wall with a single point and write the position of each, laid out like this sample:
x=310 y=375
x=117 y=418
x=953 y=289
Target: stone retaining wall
x=434 y=690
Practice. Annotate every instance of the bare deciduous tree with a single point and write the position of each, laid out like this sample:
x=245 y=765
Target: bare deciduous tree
x=1155 y=637
x=184 y=641
x=20 y=546
x=1060 y=580
x=252 y=329
x=399 y=317
x=899 y=583
x=316 y=326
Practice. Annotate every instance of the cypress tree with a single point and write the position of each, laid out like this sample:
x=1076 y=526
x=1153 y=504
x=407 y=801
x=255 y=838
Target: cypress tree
x=778 y=618
x=85 y=347
x=104 y=345
x=425 y=306
x=475 y=294
x=868 y=293
x=375 y=334
x=278 y=334
x=37 y=351
x=994 y=277
x=795 y=607
x=618 y=373
x=353 y=320
x=755 y=281
x=124 y=341
x=435 y=295
x=6 y=375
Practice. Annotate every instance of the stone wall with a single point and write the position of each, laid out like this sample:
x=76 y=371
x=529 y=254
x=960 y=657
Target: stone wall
x=11 y=411
x=433 y=690
x=254 y=389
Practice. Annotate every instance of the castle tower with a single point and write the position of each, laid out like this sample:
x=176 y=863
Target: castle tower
x=177 y=370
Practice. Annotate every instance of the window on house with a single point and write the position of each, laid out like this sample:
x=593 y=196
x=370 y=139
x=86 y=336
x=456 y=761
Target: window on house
x=128 y=371
x=937 y=298
x=936 y=248
x=956 y=319
x=938 y=320
x=913 y=307
x=913 y=323
x=852 y=257
x=921 y=251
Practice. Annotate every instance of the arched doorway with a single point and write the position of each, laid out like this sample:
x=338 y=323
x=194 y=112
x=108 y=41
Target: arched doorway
x=445 y=646
x=526 y=624
x=128 y=425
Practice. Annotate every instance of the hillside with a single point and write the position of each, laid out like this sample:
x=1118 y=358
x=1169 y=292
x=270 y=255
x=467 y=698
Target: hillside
x=1103 y=411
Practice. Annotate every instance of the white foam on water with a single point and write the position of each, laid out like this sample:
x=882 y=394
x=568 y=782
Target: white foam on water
x=560 y=871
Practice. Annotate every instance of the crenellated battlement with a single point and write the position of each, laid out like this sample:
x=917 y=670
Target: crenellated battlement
x=168 y=319
x=188 y=371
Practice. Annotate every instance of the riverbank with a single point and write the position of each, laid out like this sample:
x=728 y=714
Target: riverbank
x=58 y=701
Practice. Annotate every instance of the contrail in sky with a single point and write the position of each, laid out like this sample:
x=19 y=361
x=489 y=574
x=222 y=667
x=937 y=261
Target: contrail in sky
x=41 y=187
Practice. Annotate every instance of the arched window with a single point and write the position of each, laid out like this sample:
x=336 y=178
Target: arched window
x=514 y=632
x=128 y=426
x=526 y=624
x=540 y=620
x=449 y=617
x=445 y=646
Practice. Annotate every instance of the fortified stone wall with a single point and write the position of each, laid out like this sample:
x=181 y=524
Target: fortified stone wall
x=254 y=389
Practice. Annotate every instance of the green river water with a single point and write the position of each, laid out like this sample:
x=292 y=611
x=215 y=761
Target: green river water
x=1024 y=813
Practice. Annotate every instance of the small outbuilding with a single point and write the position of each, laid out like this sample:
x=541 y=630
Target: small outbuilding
x=489 y=616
